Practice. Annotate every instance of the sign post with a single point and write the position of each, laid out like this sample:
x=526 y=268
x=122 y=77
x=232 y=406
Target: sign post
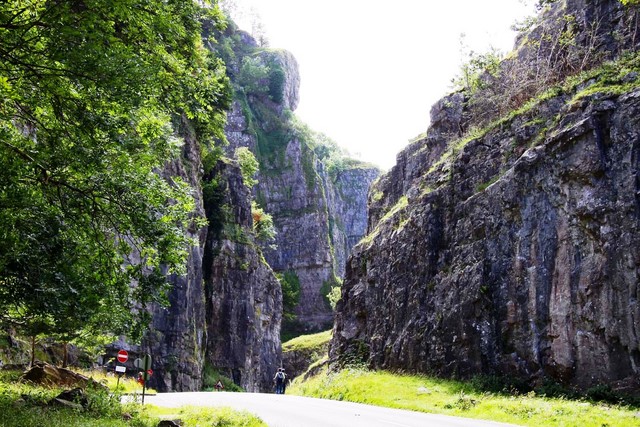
x=122 y=357
x=145 y=365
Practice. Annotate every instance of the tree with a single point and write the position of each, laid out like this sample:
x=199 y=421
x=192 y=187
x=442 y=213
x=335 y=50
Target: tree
x=90 y=96
x=290 y=284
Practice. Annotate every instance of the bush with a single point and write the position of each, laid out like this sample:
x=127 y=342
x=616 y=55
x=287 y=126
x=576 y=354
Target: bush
x=330 y=291
x=210 y=376
x=253 y=75
x=262 y=224
x=290 y=283
x=276 y=84
x=248 y=166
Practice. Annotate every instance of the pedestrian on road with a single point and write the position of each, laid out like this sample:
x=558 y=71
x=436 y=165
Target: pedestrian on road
x=280 y=379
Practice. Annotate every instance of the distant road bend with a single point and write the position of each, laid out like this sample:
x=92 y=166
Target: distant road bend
x=279 y=410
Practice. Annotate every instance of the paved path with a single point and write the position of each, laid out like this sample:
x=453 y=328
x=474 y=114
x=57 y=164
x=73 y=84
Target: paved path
x=296 y=411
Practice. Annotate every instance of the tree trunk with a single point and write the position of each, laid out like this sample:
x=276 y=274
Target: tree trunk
x=65 y=354
x=33 y=351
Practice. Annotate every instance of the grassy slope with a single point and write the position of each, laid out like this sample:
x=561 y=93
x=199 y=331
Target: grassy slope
x=313 y=348
x=450 y=397
x=311 y=342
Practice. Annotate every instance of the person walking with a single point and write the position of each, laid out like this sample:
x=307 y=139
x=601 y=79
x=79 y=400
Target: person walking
x=280 y=378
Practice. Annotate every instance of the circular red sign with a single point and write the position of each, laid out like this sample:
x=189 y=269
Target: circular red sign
x=123 y=356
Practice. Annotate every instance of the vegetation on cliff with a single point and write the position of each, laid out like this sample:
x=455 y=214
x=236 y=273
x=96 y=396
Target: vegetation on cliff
x=300 y=174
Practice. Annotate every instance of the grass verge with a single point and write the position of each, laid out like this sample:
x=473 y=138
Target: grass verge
x=27 y=405
x=456 y=398
x=192 y=416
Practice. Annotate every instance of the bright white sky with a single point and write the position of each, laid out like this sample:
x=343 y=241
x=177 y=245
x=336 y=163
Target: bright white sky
x=371 y=69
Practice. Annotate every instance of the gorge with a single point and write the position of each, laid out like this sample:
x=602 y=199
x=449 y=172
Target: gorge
x=225 y=316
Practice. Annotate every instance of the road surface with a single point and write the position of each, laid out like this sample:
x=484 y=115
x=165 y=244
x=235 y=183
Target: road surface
x=295 y=411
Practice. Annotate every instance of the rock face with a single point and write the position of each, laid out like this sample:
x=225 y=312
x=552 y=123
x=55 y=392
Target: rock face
x=225 y=314
x=347 y=194
x=177 y=337
x=318 y=214
x=515 y=250
x=243 y=297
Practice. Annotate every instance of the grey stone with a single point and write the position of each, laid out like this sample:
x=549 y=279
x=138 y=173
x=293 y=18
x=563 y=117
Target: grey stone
x=508 y=259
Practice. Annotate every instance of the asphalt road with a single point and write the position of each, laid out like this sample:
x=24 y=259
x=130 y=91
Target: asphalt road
x=295 y=411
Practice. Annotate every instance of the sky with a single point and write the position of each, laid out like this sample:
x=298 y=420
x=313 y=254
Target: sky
x=370 y=70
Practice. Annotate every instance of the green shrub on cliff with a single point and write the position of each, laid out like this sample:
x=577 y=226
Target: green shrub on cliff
x=330 y=291
x=262 y=224
x=253 y=75
x=276 y=83
x=249 y=166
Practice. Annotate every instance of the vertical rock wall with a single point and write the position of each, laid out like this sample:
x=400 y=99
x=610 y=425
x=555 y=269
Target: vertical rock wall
x=514 y=251
x=318 y=217
x=243 y=297
x=177 y=337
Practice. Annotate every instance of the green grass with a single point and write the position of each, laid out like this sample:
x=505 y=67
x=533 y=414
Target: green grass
x=192 y=416
x=307 y=342
x=211 y=376
x=25 y=405
x=126 y=385
x=456 y=398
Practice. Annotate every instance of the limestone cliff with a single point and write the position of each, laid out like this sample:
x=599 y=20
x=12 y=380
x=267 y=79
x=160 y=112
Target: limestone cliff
x=176 y=338
x=225 y=315
x=319 y=210
x=514 y=249
x=226 y=312
x=243 y=298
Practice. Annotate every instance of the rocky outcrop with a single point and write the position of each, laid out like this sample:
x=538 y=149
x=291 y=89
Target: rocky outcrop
x=45 y=374
x=225 y=313
x=177 y=337
x=297 y=200
x=299 y=354
x=347 y=192
x=318 y=215
x=513 y=250
x=243 y=297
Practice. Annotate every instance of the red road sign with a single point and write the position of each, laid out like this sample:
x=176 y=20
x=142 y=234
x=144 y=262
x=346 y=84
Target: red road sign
x=123 y=356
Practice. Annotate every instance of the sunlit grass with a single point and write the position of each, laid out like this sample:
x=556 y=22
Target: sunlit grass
x=27 y=405
x=192 y=416
x=455 y=398
x=123 y=385
x=307 y=342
